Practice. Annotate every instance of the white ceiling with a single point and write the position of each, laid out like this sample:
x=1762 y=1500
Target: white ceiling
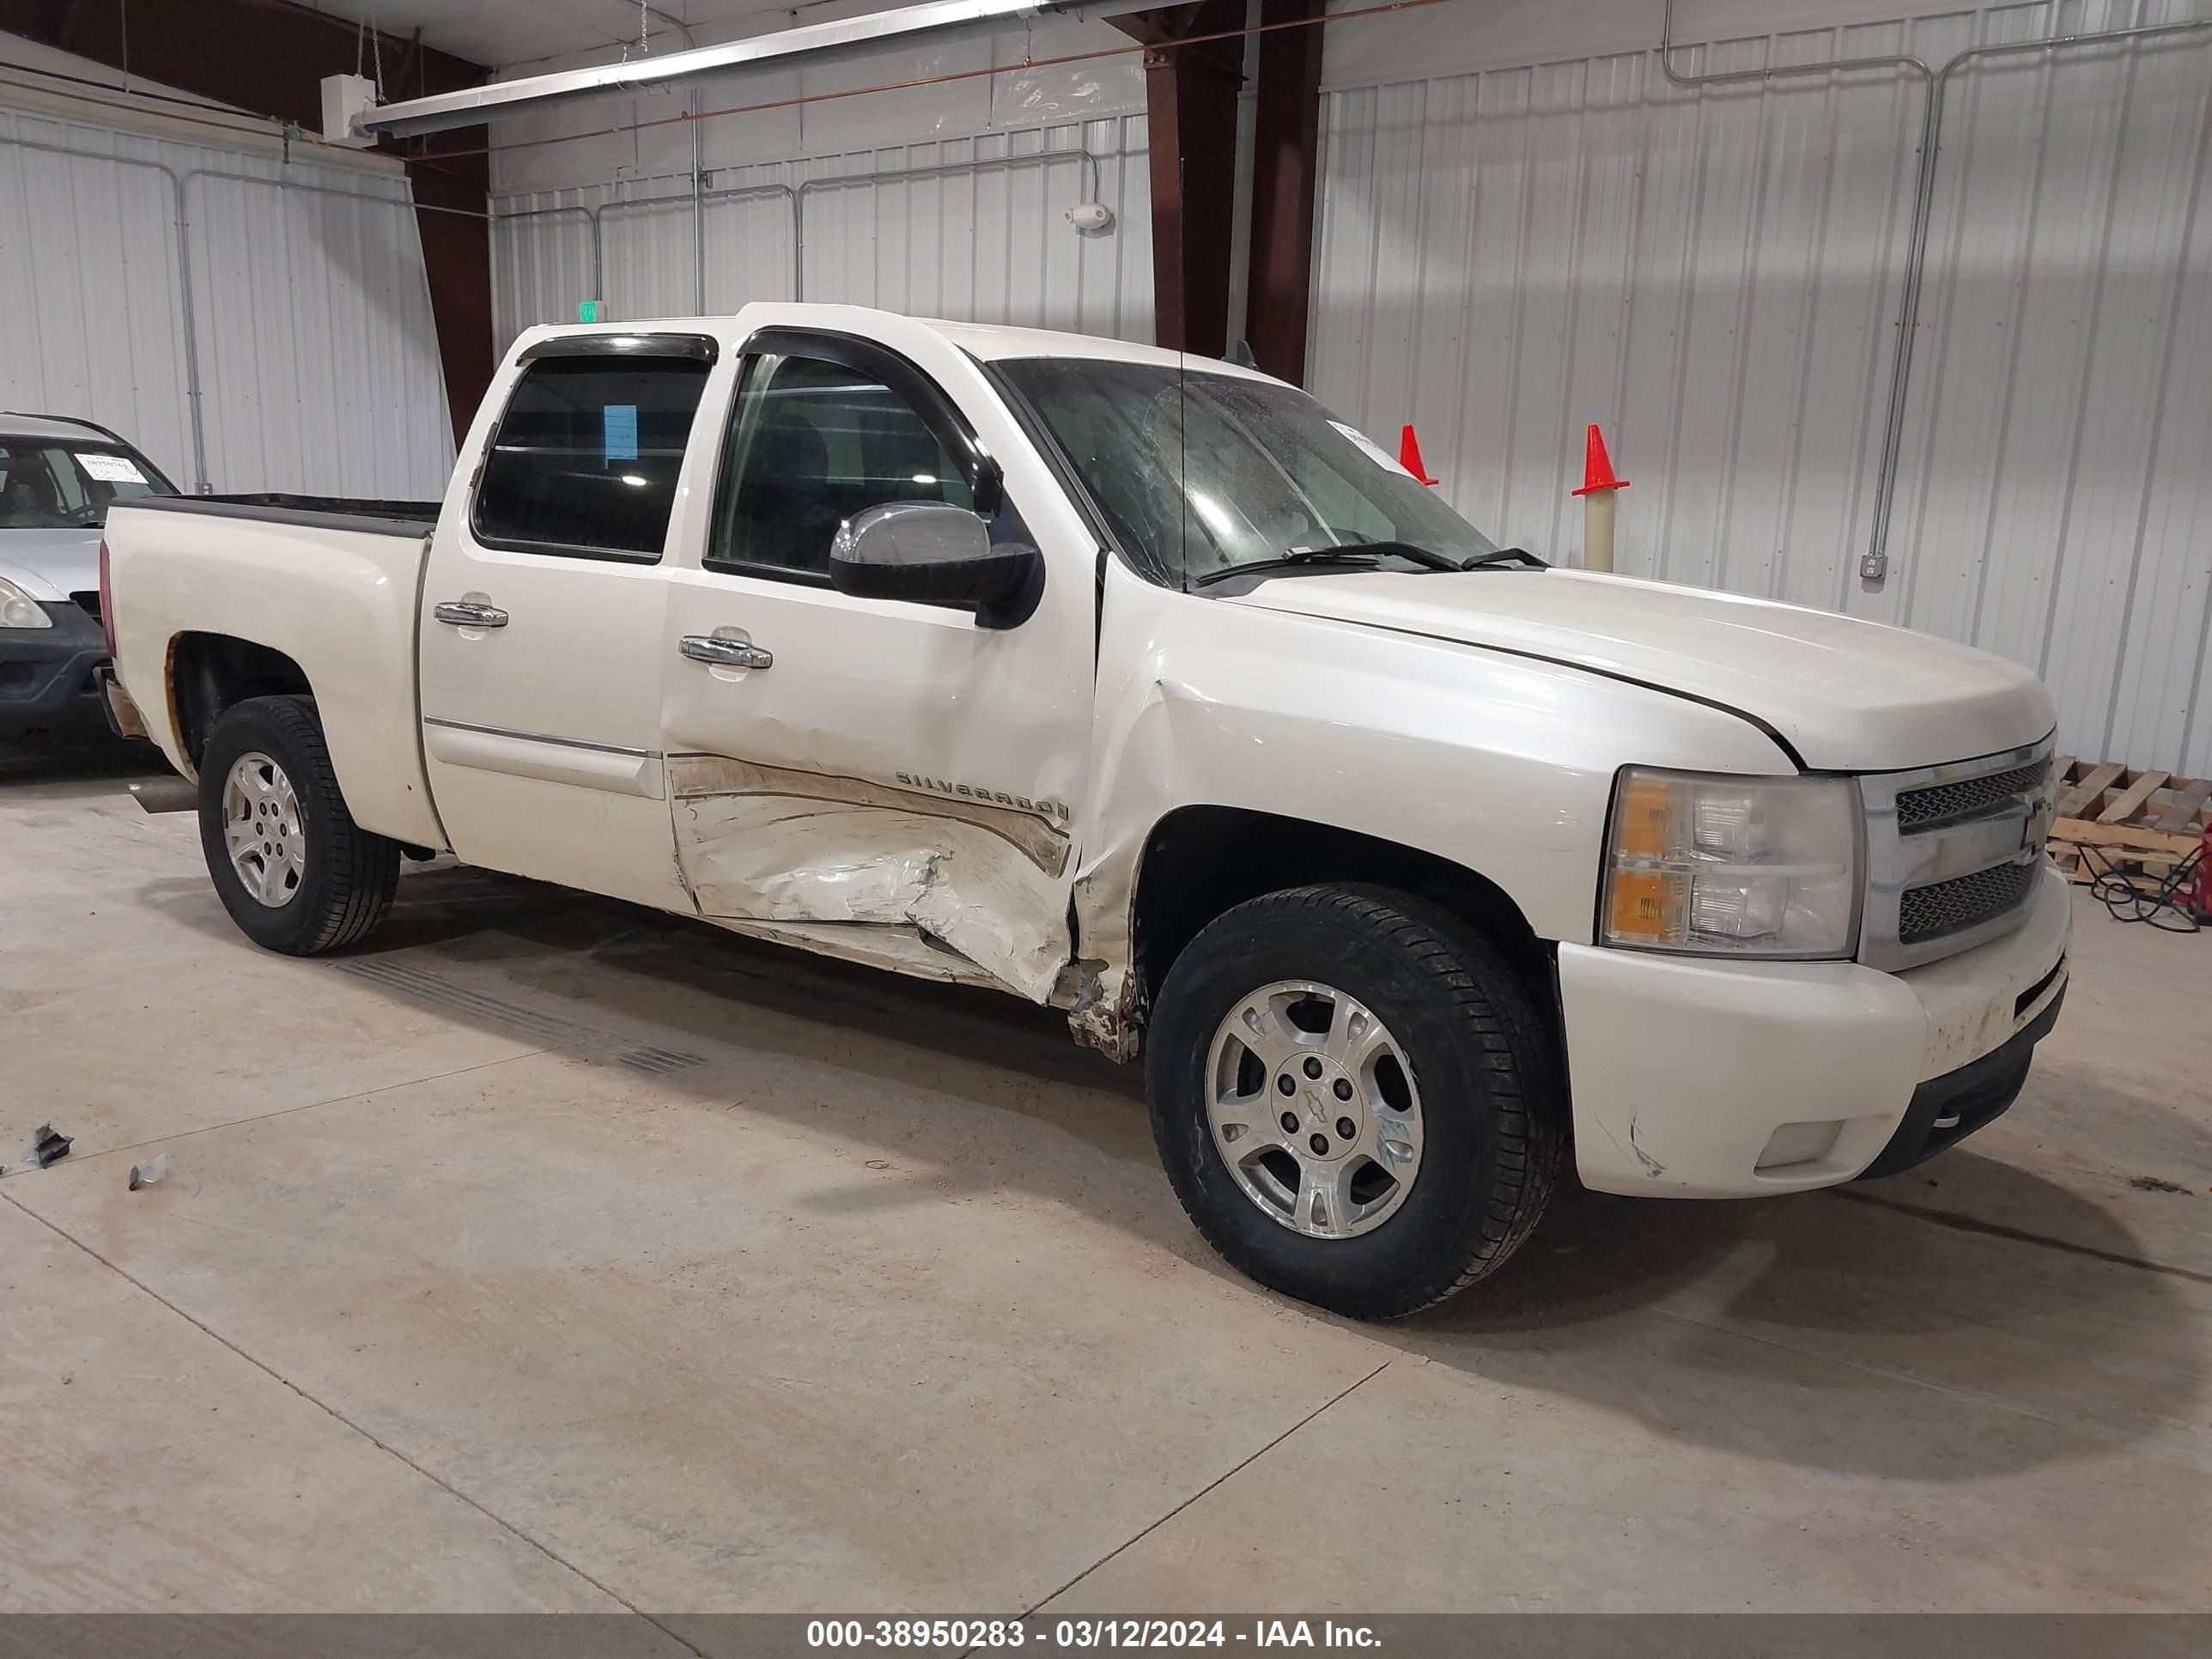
x=505 y=33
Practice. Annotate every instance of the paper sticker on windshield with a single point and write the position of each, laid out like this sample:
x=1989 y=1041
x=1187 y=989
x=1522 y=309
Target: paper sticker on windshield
x=111 y=469
x=1373 y=451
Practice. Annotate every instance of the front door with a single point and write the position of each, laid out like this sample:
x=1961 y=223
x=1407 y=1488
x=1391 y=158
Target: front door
x=543 y=614
x=886 y=779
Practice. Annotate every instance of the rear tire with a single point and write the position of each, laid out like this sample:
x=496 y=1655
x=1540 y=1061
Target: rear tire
x=305 y=879
x=1386 y=1017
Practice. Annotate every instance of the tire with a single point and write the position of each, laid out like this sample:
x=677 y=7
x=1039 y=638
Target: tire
x=1478 y=1066
x=341 y=879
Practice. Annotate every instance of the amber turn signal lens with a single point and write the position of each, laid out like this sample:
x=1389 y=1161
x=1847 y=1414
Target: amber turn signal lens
x=1642 y=831
x=1639 y=905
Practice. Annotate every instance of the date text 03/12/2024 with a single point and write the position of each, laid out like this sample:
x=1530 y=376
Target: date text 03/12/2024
x=960 y=1634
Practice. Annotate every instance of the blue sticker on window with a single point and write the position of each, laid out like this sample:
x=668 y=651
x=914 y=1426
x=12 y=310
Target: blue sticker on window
x=620 y=432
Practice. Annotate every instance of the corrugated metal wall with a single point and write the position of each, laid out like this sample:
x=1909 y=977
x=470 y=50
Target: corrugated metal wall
x=1506 y=254
x=976 y=231
x=318 y=365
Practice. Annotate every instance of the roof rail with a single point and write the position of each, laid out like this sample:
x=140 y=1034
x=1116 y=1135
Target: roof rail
x=109 y=433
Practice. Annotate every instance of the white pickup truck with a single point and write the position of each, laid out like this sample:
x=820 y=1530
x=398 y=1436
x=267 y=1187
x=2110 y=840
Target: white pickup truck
x=1138 y=685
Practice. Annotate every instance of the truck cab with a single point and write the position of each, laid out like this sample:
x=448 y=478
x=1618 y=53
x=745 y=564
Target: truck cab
x=1140 y=686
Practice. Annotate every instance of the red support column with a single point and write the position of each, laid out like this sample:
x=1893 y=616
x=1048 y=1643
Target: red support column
x=1190 y=107
x=1286 y=145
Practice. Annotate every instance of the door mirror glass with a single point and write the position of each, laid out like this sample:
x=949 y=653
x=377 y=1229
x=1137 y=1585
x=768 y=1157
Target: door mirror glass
x=929 y=553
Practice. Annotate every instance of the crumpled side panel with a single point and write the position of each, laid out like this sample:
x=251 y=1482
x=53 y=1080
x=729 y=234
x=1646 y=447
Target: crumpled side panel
x=774 y=857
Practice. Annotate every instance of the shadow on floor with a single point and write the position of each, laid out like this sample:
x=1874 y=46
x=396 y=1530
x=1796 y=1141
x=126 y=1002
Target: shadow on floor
x=106 y=766
x=1833 y=1310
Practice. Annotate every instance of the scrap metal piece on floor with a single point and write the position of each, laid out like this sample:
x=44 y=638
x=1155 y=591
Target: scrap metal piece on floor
x=145 y=1175
x=49 y=1147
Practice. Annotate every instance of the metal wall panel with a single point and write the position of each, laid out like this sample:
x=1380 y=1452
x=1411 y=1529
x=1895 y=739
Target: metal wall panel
x=318 y=364
x=989 y=241
x=1505 y=255
x=976 y=230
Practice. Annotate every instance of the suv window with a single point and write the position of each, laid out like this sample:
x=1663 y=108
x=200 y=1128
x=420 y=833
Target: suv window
x=45 y=485
x=810 y=444
x=586 y=454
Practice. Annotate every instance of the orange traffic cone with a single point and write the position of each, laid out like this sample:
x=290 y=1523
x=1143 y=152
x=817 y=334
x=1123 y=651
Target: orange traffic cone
x=1598 y=488
x=1409 y=456
x=1597 y=465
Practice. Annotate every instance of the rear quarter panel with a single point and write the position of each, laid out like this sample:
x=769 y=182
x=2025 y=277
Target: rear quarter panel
x=339 y=602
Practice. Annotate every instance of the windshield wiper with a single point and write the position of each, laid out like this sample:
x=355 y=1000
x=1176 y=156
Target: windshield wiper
x=1420 y=556
x=1429 y=561
x=1362 y=556
x=1351 y=558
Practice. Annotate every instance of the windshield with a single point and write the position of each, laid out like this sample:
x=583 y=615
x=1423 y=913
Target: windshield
x=1200 y=472
x=45 y=485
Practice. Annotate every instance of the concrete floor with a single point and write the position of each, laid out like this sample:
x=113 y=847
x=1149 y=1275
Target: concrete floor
x=553 y=1255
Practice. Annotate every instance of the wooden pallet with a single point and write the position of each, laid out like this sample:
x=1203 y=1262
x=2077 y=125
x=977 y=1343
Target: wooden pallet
x=2142 y=823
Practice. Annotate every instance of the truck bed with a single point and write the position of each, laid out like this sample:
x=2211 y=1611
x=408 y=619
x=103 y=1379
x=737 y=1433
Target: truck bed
x=330 y=583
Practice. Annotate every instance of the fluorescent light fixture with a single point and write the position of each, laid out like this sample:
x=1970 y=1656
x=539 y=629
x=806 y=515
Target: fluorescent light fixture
x=843 y=35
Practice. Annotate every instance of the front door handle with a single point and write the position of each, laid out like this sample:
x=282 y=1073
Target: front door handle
x=723 y=654
x=467 y=613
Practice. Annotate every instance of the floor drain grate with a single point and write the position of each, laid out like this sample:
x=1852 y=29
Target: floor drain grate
x=549 y=1029
x=660 y=1061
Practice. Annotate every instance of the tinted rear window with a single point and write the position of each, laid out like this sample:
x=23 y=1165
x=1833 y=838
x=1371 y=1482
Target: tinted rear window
x=586 y=454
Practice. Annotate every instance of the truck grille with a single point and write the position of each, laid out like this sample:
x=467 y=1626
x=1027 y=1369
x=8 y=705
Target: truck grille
x=1951 y=853
x=1952 y=907
x=1945 y=803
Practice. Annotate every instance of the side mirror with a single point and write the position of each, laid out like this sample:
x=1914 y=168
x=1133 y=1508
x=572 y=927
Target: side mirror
x=928 y=553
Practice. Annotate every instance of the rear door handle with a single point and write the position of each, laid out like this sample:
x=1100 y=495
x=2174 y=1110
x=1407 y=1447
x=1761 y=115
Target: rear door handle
x=723 y=654
x=467 y=613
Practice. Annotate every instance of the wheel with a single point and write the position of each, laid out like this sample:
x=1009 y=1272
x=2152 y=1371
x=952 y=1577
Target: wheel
x=295 y=872
x=1354 y=1096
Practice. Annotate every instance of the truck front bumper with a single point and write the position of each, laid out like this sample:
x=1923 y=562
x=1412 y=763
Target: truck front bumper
x=47 y=692
x=1700 y=1079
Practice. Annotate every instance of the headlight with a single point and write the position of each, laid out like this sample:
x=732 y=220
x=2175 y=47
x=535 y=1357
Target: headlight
x=1733 y=866
x=19 y=610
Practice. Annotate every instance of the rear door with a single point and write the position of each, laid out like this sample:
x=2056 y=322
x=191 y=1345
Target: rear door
x=543 y=613
x=890 y=779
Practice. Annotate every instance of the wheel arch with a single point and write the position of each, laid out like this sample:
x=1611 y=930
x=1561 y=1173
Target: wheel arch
x=1200 y=861
x=209 y=673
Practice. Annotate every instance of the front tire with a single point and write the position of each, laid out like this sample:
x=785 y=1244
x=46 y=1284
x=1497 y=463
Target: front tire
x=1355 y=1098
x=296 y=873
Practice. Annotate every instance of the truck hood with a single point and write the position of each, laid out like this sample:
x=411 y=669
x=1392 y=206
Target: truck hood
x=51 y=564
x=1847 y=695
